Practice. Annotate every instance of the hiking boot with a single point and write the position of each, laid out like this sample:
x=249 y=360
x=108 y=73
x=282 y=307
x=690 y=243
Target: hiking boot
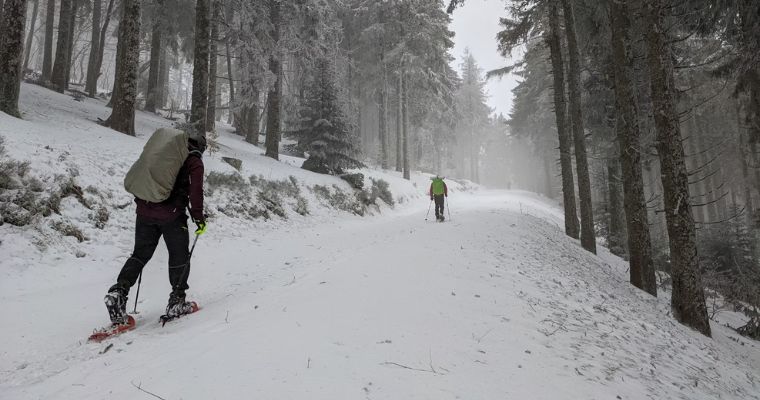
x=116 y=303
x=178 y=306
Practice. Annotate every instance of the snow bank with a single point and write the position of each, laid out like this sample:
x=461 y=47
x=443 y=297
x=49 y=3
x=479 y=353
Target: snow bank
x=63 y=143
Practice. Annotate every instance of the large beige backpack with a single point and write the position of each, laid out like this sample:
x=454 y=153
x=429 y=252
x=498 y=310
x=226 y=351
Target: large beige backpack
x=152 y=176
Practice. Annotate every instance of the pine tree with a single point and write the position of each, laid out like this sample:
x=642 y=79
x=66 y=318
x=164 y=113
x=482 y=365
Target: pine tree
x=588 y=235
x=473 y=115
x=11 y=54
x=552 y=38
x=324 y=133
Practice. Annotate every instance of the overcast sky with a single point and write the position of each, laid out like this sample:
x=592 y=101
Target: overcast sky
x=475 y=26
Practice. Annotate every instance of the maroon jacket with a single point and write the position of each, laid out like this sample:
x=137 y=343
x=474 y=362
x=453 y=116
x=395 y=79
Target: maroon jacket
x=188 y=190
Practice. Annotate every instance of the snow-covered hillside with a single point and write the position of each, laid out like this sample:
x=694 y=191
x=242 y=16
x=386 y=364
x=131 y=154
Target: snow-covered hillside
x=82 y=165
x=496 y=304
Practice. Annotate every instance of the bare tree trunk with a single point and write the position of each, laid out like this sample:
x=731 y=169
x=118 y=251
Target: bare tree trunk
x=688 y=299
x=617 y=232
x=753 y=107
x=117 y=66
x=275 y=93
x=272 y=142
x=47 y=58
x=180 y=74
x=163 y=79
x=93 y=90
x=200 y=67
x=58 y=78
x=749 y=209
x=231 y=82
x=693 y=162
x=746 y=178
x=383 y=101
x=30 y=37
x=70 y=41
x=156 y=53
x=405 y=121
x=2 y=12
x=548 y=186
x=11 y=54
x=642 y=271
x=91 y=86
x=124 y=99
x=572 y=228
x=473 y=155
x=382 y=119
x=249 y=120
x=400 y=125
x=707 y=175
x=588 y=236
x=212 y=69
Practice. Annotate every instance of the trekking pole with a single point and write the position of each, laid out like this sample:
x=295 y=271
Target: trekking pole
x=428 y=213
x=139 y=280
x=187 y=265
x=184 y=271
x=137 y=295
x=448 y=207
x=192 y=248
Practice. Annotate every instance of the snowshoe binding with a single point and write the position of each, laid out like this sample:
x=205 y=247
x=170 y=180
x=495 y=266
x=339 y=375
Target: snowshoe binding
x=116 y=303
x=178 y=307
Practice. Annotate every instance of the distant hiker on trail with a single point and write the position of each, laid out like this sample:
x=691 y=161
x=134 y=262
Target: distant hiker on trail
x=438 y=192
x=166 y=180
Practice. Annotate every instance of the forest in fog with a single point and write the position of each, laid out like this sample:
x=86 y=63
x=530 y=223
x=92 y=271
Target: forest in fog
x=640 y=117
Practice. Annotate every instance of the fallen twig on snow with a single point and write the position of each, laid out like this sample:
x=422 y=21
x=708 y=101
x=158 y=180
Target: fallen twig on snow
x=106 y=348
x=138 y=386
x=431 y=370
x=478 y=340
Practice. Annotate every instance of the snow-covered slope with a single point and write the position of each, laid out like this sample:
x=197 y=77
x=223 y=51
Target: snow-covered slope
x=63 y=142
x=496 y=304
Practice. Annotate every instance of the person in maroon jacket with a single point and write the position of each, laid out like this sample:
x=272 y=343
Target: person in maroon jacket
x=167 y=219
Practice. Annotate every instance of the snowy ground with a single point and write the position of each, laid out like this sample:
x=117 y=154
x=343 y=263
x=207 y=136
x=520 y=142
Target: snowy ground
x=496 y=304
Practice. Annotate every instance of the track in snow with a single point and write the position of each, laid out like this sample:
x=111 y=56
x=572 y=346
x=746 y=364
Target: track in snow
x=497 y=303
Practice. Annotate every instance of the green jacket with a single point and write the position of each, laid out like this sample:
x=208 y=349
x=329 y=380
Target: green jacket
x=438 y=187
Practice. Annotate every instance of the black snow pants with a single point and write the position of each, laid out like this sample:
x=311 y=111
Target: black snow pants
x=439 y=202
x=147 y=234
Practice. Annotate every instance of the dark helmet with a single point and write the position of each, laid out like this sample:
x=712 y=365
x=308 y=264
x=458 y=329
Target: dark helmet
x=197 y=142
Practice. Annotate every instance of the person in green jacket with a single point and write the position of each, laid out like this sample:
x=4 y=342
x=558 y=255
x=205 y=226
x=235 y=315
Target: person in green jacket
x=438 y=192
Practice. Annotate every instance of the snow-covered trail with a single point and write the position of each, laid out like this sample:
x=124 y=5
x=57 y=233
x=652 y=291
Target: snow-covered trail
x=497 y=303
